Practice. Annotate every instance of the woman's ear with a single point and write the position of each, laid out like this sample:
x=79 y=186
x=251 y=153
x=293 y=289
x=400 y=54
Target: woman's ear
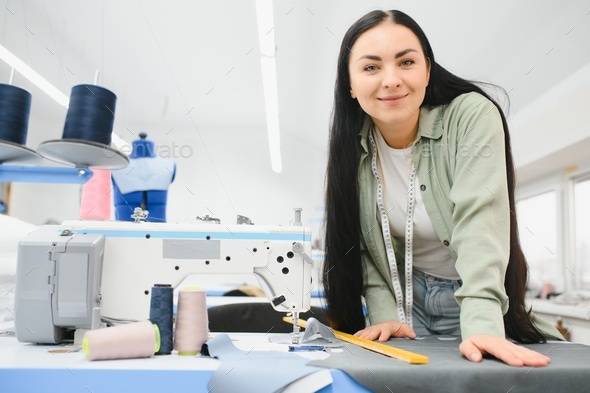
x=352 y=94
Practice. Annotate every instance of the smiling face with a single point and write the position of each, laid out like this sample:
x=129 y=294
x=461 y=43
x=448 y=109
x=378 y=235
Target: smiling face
x=388 y=77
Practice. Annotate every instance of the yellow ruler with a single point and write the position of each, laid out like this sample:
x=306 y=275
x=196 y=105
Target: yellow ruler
x=406 y=356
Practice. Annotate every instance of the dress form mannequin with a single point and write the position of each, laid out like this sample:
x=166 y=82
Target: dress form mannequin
x=144 y=183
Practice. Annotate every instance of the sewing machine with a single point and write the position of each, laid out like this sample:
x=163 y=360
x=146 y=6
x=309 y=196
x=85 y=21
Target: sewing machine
x=74 y=275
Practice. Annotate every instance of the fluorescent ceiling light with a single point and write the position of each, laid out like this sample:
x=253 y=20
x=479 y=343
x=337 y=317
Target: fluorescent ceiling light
x=271 y=103
x=266 y=39
x=33 y=76
x=266 y=34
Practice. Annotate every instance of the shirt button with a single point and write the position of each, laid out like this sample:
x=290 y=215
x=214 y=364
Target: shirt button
x=423 y=187
x=446 y=243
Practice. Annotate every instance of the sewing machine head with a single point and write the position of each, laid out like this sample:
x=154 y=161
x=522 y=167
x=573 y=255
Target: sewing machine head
x=65 y=273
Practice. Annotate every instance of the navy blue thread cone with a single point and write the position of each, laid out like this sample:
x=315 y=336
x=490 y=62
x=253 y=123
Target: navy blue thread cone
x=91 y=114
x=15 y=106
x=161 y=314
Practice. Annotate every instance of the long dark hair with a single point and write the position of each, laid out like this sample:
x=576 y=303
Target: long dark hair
x=343 y=271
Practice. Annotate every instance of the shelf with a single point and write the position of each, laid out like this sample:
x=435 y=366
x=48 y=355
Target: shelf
x=44 y=174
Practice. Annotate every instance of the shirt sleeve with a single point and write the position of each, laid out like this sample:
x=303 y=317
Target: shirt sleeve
x=379 y=299
x=481 y=214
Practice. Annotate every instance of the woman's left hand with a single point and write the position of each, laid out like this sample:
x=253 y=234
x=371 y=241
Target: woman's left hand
x=512 y=354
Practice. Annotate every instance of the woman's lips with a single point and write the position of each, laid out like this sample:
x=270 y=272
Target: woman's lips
x=392 y=100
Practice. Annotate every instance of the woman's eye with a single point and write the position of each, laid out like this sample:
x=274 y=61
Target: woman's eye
x=407 y=63
x=370 y=68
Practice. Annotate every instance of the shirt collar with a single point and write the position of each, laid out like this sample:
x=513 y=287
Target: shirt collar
x=430 y=125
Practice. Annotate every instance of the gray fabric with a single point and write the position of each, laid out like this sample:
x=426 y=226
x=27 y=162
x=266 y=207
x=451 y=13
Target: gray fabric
x=447 y=371
x=253 y=371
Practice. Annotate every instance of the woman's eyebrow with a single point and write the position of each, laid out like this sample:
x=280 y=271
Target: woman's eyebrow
x=397 y=55
x=404 y=52
x=370 y=57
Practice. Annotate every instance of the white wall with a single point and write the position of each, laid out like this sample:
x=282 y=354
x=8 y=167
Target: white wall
x=555 y=122
x=223 y=178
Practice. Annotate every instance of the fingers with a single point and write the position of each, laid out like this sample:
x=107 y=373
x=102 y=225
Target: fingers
x=404 y=331
x=369 y=333
x=384 y=336
x=470 y=351
x=514 y=355
x=374 y=332
x=527 y=357
x=383 y=331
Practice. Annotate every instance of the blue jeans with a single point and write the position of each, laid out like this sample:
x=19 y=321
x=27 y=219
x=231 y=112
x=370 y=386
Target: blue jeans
x=435 y=311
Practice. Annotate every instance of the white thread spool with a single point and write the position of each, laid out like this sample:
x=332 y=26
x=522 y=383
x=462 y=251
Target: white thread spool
x=192 y=325
x=133 y=340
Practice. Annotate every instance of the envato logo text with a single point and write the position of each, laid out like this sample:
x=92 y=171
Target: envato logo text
x=163 y=151
x=476 y=150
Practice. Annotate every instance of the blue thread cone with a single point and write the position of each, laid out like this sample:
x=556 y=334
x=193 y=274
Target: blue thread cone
x=91 y=114
x=14 y=114
x=161 y=314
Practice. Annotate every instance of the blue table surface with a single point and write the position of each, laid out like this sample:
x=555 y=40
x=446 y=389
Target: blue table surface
x=27 y=368
x=157 y=381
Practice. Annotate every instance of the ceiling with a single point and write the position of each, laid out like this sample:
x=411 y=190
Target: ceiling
x=193 y=68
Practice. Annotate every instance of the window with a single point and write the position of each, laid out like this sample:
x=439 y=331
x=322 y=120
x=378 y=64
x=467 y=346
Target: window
x=537 y=227
x=581 y=218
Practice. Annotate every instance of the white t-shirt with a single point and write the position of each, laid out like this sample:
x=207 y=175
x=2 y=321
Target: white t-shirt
x=429 y=254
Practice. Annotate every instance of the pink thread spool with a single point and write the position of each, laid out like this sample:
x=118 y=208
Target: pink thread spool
x=129 y=341
x=192 y=324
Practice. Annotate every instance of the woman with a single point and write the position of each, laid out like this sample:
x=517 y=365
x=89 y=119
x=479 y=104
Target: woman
x=420 y=201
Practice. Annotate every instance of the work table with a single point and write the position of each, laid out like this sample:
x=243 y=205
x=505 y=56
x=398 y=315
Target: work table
x=31 y=368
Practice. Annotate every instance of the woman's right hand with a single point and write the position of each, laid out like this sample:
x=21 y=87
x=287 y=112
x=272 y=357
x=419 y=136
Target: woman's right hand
x=384 y=330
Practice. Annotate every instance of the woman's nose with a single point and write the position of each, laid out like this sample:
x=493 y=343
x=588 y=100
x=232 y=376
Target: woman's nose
x=391 y=78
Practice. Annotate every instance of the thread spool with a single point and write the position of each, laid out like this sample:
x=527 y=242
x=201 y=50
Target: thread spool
x=161 y=314
x=129 y=341
x=191 y=322
x=14 y=114
x=91 y=114
x=14 y=123
x=87 y=131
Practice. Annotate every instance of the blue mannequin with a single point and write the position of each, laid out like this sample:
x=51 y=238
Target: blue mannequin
x=144 y=183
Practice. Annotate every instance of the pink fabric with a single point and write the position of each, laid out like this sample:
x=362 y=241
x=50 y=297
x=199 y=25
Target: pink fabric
x=96 y=197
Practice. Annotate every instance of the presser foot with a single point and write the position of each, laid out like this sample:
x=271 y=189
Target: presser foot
x=295 y=336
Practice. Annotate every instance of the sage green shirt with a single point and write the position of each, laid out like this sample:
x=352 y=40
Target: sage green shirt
x=460 y=160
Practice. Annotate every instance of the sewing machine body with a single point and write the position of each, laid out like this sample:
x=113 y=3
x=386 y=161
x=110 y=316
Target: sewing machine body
x=67 y=272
